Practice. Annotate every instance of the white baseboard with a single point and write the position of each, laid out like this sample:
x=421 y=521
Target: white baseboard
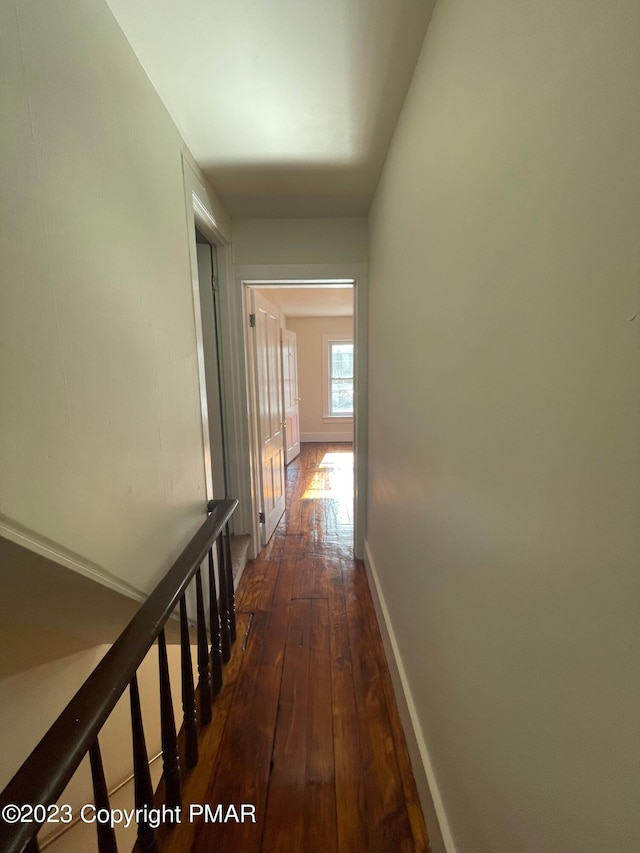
x=326 y=436
x=440 y=836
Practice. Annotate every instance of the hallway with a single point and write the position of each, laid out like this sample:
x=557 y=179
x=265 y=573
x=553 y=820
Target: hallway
x=306 y=728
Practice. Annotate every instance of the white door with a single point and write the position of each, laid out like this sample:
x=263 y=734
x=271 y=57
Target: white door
x=290 y=393
x=269 y=407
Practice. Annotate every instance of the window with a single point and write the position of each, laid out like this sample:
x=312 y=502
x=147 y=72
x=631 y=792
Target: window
x=339 y=376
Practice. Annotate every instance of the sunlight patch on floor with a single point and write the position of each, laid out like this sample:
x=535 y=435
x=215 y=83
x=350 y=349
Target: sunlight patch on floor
x=333 y=478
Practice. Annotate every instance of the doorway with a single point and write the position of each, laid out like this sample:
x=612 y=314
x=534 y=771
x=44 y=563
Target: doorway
x=208 y=332
x=305 y=395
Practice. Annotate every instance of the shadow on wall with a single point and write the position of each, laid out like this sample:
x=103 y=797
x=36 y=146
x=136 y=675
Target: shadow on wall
x=48 y=612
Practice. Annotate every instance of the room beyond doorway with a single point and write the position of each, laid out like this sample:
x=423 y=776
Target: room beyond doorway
x=315 y=323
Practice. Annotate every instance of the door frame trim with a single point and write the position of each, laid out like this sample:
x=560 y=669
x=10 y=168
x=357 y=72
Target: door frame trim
x=245 y=276
x=199 y=215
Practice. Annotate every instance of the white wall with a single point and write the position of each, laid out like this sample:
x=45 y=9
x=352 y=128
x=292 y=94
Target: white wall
x=101 y=455
x=309 y=331
x=100 y=440
x=300 y=241
x=504 y=419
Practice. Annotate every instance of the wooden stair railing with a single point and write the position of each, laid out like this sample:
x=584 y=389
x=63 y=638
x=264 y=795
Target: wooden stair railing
x=43 y=777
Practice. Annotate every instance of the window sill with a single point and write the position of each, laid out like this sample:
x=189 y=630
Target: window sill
x=337 y=419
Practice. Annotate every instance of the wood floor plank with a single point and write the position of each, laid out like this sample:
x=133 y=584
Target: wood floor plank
x=310 y=578
x=284 y=820
x=414 y=808
x=320 y=822
x=351 y=819
x=249 y=590
x=265 y=600
x=283 y=587
x=384 y=796
x=308 y=523
x=241 y=774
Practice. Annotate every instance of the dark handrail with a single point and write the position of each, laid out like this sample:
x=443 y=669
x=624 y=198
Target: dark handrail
x=46 y=772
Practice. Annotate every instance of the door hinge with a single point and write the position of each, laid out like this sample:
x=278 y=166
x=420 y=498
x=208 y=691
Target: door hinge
x=252 y=320
x=214 y=284
x=263 y=518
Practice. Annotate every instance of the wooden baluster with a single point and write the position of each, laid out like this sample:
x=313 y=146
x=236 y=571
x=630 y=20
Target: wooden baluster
x=188 y=693
x=169 y=740
x=229 y=574
x=106 y=834
x=225 y=627
x=204 y=668
x=143 y=788
x=214 y=627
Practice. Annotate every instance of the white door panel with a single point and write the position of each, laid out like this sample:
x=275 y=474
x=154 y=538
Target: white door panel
x=270 y=416
x=290 y=393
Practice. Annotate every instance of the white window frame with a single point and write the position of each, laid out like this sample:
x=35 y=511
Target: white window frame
x=327 y=340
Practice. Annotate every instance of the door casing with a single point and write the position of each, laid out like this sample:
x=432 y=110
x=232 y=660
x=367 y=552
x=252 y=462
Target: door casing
x=245 y=433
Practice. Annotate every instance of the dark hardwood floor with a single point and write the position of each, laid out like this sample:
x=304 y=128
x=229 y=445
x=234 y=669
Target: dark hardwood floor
x=306 y=728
